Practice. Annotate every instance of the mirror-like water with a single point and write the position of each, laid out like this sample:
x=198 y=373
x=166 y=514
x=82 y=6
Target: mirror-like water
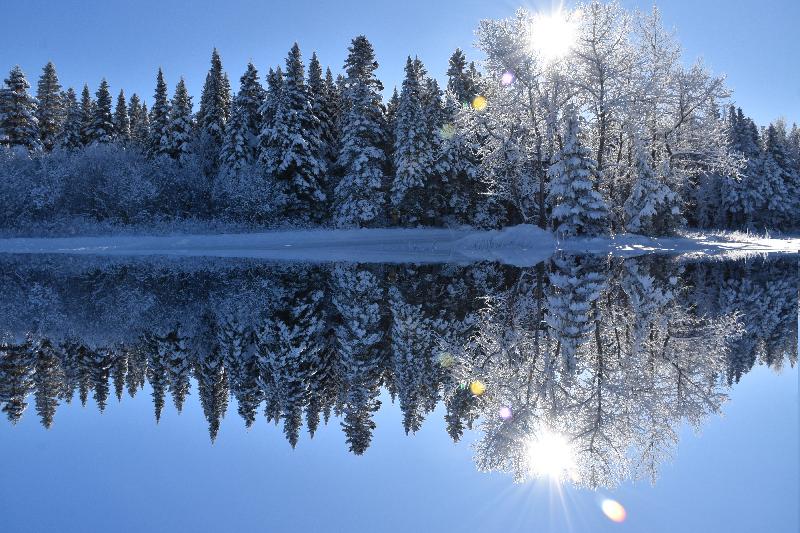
x=581 y=371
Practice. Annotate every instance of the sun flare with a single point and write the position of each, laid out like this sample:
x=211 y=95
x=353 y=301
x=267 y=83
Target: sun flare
x=552 y=35
x=550 y=455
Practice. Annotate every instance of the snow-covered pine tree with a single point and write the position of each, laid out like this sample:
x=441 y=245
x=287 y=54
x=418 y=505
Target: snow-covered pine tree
x=122 y=123
x=460 y=78
x=50 y=111
x=324 y=110
x=267 y=151
x=359 y=195
x=743 y=198
x=781 y=180
x=140 y=122
x=103 y=123
x=18 y=123
x=87 y=116
x=577 y=207
x=240 y=146
x=437 y=209
x=413 y=153
x=70 y=135
x=180 y=123
x=215 y=102
x=298 y=155
x=652 y=207
x=159 y=118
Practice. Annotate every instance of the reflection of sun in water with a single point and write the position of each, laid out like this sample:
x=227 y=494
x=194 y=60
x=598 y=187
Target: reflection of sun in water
x=550 y=455
x=553 y=34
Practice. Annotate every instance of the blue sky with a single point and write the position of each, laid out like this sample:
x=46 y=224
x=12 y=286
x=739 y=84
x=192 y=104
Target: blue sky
x=753 y=42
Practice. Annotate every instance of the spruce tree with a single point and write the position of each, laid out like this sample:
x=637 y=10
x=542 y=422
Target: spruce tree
x=267 y=149
x=122 y=123
x=240 y=147
x=215 y=102
x=652 y=207
x=18 y=123
x=103 y=124
x=159 y=119
x=50 y=111
x=578 y=208
x=139 y=121
x=70 y=135
x=87 y=116
x=180 y=123
x=296 y=139
x=460 y=80
x=324 y=108
x=359 y=194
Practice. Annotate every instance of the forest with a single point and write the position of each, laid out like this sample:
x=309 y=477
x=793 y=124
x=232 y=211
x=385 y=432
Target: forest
x=614 y=354
x=610 y=132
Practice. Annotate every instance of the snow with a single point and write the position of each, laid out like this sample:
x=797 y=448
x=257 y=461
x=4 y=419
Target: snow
x=521 y=245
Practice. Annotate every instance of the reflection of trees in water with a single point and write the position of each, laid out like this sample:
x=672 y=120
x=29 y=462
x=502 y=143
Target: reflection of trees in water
x=612 y=355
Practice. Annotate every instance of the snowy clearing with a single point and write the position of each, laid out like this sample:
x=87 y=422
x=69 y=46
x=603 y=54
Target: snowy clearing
x=518 y=245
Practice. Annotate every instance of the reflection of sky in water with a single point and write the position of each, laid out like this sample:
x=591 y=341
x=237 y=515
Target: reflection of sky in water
x=119 y=470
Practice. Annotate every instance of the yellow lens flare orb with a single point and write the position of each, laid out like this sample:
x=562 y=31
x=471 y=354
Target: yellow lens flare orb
x=479 y=103
x=613 y=510
x=550 y=455
x=477 y=388
x=552 y=35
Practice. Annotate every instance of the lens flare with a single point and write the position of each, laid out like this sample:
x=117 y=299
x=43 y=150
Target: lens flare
x=447 y=131
x=477 y=388
x=479 y=103
x=550 y=455
x=613 y=510
x=446 y=359
x=507 y=78
x=552 y=35
x=505 y=413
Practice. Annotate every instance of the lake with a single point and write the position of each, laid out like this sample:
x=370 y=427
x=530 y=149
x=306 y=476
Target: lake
x=583 y=393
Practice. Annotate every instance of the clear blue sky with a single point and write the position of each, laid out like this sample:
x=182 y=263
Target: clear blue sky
x=752 y=41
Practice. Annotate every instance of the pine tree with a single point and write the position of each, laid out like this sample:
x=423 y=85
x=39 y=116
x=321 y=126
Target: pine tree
x=413 y=151
x=180 y=123
x=359 y=194
x=323 y=106
x=297 y=152
x=460 y=78
x=159 y=118
x=50 y=111
x=240 y=147
x=215 y=102
x=18 y=123
x=780 y=177
x=87 y=116
x=122 y=123
x=103 y=124
x=139 y=122
x=70 y=135
x=578 y=208
x=652 y=207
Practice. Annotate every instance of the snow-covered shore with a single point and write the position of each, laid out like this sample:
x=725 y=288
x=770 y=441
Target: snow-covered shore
x=518 y=245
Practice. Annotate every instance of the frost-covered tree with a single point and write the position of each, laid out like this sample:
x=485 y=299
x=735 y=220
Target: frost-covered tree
x=215 y=102
x=180 y=123
x=159 y=120
x=297 y=152
x=577 y=206
x=321 y=93
x=652 y=208
x=87 y=116
x=461 y=78
x=102 y=129
x=359 y=193
x=139 y=121
x=70 y=134
x=122 y=123
x=50 y=111
x=241 y=134
x=18 y=123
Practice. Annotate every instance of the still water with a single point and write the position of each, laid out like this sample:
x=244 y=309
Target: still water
x=586 y=393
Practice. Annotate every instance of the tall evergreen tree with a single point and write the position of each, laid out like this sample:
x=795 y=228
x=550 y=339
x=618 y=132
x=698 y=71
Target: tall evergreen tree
x=87 y=116
x=122 y=123
x=103 y=124
x=295 y=135
x=50 y=111
x=460 y=78
x=215 y=101
x=139 y=121
x=578 y=208
x=180 y=123
x=70 y=135
x=159 y=118
x=18 y=123
x=359 y=194
x=652 y=208
x=241 y=134
x=323 y=106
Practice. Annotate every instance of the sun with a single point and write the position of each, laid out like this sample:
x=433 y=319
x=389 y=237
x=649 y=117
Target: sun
x=550 y=455
x=552 y=35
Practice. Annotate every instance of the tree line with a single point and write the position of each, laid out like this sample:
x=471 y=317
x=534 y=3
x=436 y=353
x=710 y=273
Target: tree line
x=617 y=135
